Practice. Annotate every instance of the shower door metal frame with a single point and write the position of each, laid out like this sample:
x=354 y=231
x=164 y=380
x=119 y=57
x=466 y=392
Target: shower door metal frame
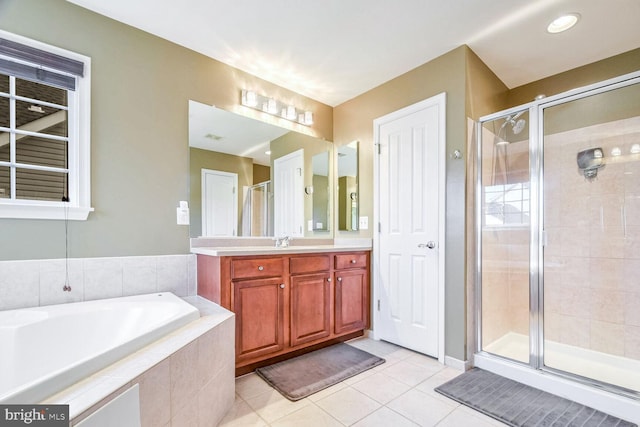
x=536 y=228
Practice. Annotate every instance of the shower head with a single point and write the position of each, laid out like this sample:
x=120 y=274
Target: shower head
x=516 y=125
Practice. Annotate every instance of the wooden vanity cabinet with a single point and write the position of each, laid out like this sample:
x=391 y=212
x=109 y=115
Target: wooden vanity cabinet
x=310 y=298
x=258 y=299
x=351 y=289
x=285 y=304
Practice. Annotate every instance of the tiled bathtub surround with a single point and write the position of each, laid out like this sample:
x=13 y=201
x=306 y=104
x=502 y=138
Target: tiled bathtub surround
x=33 y=283
x=185 y=378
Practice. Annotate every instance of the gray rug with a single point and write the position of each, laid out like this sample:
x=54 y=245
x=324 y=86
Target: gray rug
x=517 y=404
x=304 y=375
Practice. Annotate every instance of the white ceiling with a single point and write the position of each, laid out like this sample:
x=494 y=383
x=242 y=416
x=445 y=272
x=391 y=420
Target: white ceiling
x=334 y=50
x=213 y=129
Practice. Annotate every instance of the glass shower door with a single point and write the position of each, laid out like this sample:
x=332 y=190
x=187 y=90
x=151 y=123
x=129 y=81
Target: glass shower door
x=591 y=220
x=505 y=236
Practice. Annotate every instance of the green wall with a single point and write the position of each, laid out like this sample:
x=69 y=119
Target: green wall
x=141 y=85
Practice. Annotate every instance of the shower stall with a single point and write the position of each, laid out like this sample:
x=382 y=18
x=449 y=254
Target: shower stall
x=558 y=240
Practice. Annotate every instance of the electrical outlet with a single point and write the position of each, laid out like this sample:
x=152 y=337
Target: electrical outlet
x=364 y=223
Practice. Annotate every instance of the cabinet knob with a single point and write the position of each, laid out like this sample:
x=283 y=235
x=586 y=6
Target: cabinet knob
x=353 y=261
x=260 y=268
x=281 y=285
x=328 y=279
x=339 y=279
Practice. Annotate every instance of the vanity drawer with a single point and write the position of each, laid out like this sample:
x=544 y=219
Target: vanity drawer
x=309 y=264
x=354 y=260
x=259 y=267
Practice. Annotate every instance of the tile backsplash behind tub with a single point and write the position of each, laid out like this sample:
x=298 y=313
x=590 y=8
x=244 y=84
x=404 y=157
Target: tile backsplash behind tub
x=32 y=283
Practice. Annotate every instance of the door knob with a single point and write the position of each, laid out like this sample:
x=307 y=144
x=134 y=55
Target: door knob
x=430 y=244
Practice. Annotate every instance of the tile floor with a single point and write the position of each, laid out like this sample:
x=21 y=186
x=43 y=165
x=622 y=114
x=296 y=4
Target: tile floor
x=397 y=393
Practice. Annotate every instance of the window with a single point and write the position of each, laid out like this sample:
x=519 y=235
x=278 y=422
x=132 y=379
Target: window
x=44 y=131
x=506 y=204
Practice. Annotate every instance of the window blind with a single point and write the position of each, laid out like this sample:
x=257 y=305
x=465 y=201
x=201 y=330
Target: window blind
x=37 y=59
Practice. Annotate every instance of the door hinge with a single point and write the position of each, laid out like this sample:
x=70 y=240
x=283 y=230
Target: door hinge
x=233 y=190
x=379 y=227
x=379 y=148
x=378 y=305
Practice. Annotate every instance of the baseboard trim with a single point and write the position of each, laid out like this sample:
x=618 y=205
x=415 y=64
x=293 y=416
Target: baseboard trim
x=461 y=365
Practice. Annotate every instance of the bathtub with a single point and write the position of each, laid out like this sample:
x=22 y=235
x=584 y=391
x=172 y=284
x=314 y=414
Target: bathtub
x=46 y=349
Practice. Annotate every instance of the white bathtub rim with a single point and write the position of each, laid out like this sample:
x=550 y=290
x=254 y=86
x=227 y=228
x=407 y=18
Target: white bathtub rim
x=90 y=391
x=43 y=387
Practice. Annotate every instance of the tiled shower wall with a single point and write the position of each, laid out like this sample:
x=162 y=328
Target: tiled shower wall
x=505 y=282
x=33 y=283
x=592 y=259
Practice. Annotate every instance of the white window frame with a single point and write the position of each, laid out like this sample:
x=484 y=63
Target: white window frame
x=79 y=146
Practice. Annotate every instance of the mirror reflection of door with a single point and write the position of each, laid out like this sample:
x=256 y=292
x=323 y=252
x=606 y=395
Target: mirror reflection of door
x=320 y=193
x=219 y=203
x=348 y=187
x=288 y=172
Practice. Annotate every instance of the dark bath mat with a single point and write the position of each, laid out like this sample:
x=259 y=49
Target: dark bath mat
x=518 y=405
x=304 y=375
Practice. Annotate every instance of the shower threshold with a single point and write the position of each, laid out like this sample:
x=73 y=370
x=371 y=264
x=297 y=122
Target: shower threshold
x=607 y=368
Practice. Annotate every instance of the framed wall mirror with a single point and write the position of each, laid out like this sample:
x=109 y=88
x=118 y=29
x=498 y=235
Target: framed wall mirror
x=348 y=195
x=235 y=190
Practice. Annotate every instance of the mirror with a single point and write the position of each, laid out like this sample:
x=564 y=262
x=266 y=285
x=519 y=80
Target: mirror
x=251 y=178
x=348 y=187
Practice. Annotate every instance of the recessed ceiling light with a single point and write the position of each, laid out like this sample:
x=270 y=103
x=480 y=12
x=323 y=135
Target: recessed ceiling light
x=563 y=23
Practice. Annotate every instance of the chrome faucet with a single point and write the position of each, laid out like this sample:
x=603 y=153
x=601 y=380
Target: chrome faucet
x=283 y=242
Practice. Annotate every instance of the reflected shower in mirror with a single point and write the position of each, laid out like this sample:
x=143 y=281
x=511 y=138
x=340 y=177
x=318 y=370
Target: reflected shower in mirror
x=226 y=147
x=348 y=187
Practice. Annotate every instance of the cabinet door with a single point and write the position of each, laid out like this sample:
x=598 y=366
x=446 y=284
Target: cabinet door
x=352 y=300
x=310 y=307
x=259 y=308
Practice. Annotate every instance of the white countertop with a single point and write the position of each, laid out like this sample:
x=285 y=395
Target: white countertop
x=272 y=250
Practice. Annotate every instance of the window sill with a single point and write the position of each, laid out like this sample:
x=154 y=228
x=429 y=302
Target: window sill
x=44 y=211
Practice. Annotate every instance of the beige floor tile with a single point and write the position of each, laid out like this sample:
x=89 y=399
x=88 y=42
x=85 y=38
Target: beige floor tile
x=384 y=417
x=381 y=387
x=241 y=415
x=272 y=406
x=348 y=405
x=310 y=415
x=251 y=385
x=425 y=362
x=408 y=373
x=421 y=408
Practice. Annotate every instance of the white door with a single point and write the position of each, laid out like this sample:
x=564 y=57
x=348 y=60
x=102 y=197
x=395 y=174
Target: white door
x=288 y=194
x=219 y=203
x=410 y=210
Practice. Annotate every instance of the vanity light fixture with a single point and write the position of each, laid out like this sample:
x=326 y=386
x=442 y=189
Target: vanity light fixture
x=563 y=23
x=274 y=107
